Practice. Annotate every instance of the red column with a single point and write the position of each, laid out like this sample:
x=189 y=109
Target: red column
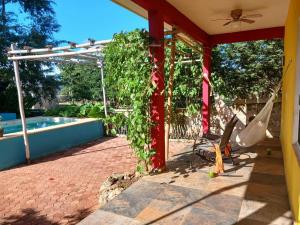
x=156 y=32
x=206 y=89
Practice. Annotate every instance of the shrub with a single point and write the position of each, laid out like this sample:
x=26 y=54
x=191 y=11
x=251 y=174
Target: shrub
x=86 y=110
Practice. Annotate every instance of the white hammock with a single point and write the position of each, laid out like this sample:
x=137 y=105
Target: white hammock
x=256 y=129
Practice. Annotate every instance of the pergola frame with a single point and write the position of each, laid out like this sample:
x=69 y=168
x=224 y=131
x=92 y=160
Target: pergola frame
x=160 y=12
x=87 y=53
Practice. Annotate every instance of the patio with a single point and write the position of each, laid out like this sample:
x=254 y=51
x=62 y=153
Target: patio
x=63 y=188
x=254 y=192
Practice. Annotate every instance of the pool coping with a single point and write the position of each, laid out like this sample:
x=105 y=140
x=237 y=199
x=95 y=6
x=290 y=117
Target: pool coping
x=44 y=129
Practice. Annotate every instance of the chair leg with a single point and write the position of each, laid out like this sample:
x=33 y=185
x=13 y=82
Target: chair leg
x=193 y=158
x=233 y=163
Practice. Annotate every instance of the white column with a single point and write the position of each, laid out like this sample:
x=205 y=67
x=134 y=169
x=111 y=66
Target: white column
x=21 y=106
x=100 y=63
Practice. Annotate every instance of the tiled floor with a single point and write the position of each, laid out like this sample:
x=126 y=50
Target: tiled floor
x=252 y=192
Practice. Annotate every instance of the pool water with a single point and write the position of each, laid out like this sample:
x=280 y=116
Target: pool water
x=35 y=123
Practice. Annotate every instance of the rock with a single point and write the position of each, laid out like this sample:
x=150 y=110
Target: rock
x=114 y=185
x=117 y=176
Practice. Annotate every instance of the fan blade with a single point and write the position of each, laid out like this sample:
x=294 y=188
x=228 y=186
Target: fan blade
x=252 y=16
x=221 y=19
x=247 y=21
x=225 y=24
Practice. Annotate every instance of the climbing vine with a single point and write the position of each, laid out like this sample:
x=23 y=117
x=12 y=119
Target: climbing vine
x=127 y=69
x=187 y=88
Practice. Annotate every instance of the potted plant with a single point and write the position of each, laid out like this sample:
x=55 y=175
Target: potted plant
x=1 y=128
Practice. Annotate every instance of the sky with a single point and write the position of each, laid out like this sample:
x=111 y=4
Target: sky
x=96 y=19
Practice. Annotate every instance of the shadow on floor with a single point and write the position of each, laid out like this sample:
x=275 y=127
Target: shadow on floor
x=78 y=216
x=252 y=192
x=265 y=200
x=33 y=217
x=28 y=216
x=181 y=165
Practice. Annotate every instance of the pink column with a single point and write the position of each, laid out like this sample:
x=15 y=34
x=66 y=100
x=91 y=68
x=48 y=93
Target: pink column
x=206 y=89
x=156 y=32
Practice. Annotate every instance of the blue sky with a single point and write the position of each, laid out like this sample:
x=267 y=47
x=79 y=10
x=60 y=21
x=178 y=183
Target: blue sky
x=97 y=19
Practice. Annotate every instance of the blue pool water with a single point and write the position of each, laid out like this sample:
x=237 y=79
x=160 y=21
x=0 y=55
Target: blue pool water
x=36 y=123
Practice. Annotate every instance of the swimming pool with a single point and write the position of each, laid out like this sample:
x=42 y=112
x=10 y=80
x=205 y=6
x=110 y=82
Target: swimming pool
x=46 y=135
x=14 y=126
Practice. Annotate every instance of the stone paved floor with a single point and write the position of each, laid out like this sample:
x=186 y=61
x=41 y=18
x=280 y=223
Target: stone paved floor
x=252 y=192
x=62 y=188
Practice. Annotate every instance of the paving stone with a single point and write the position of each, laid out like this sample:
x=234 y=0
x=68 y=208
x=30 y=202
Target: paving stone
x=127 y=205
x=267 y=193
x=269 y=165
x=248 y=221
x=164 y=213
x=267 y=179
x=100 y=217
x=223 y=203
x=266 y=212
x=207 y=216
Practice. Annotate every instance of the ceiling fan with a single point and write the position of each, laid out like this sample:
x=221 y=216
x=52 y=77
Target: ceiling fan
x=237 y=16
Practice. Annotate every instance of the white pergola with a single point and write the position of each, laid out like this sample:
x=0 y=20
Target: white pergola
x=86 y=53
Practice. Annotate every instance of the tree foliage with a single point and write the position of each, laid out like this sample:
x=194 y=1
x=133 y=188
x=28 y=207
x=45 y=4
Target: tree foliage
x=36 y=30
x=244 y=70
x=81 y=82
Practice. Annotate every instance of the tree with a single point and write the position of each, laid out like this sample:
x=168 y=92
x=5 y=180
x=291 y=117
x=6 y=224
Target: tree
x=248 y=69
x=35 y=31
x=81 y=82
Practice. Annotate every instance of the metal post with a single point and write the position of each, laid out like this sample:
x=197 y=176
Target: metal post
x=21 y=106
x=100 y=63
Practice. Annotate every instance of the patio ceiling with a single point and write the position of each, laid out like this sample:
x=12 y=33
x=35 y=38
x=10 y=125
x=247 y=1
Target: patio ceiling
x=202 y=13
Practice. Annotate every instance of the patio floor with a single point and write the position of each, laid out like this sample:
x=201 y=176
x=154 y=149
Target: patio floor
x=63 y=188
x=253 y=192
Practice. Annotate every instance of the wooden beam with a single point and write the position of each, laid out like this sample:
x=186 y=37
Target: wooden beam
x=251 y=35
x=61 y=54
x=99 y=44
x=188 y=44
x=170 y=95
x=175 y=18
